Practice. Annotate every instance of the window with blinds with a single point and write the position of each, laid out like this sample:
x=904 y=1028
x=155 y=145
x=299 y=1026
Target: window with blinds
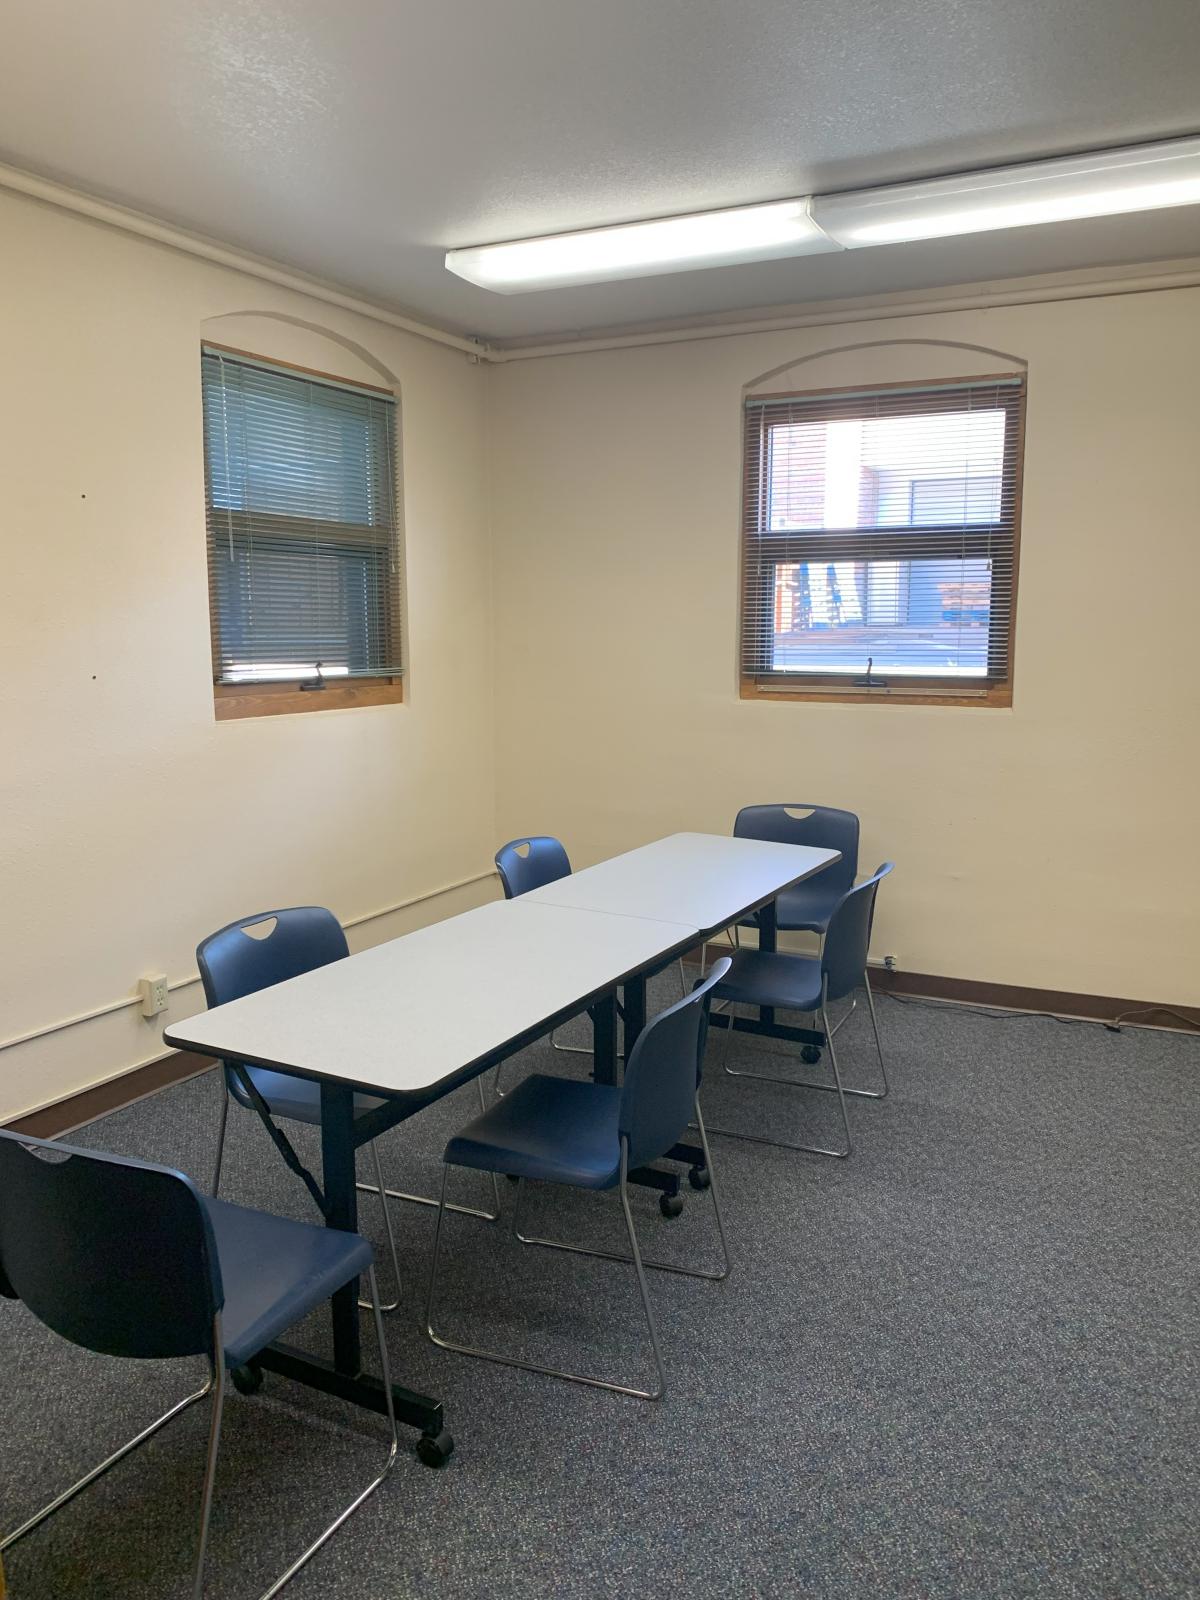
x=303 y=566
x=880 y=540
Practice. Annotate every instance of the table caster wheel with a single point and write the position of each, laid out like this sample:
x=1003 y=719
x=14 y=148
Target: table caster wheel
x=699 y=1177
x=247 y=1379
x=435 y=1449
x=671 y=1205
x=811 y=1053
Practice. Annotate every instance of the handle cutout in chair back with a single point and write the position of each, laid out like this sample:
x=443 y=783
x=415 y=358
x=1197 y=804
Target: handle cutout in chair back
x=796 y=822
x=239 y=960
x=848 y=938
x=527 y=864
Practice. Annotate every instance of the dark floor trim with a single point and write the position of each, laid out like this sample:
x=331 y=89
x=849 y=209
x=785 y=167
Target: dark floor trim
x=77 y=1109
x=1017 y=997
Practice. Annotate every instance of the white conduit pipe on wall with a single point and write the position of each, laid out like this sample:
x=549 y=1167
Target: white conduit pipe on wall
x=184 y=983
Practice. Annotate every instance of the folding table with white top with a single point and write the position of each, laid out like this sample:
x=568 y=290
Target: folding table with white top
x=412 y=1020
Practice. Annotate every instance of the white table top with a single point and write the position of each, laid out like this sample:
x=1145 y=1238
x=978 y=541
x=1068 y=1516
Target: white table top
x=406 y=1015
x=706 y=879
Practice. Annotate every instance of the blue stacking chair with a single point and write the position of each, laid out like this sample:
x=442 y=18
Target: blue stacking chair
x=128 y=1259
x=252 y=954
x=589 y=1136
x=525 y=864
x=806 y=907
x=810 y=983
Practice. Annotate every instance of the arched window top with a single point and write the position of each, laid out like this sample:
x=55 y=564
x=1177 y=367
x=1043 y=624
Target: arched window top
x=302 y=498
x=880 y=525
x=885 y=360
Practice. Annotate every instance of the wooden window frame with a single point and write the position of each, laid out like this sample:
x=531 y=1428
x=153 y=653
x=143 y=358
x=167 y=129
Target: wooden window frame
x=234 y=701
x=913 y=690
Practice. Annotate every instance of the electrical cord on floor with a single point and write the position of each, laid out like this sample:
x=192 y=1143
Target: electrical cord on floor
x=1005 y=1014
x=1191 y=1025
x=1002 y=1014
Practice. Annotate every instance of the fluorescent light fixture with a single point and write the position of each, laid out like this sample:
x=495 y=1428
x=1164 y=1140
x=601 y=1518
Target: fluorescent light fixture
x=643 y=249
x=1138 y=178
x=1141 y=178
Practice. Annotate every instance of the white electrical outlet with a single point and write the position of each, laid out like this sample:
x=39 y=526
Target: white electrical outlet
x=153 y=990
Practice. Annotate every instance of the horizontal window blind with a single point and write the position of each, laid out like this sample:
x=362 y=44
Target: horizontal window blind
x=880 y=537
x=301 y=511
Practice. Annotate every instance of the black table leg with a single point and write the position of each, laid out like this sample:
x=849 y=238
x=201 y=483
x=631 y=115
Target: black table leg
x=341 y=1211
x=768 y=939
x=343 y=1376
x=634 y=998
x=604 y=1039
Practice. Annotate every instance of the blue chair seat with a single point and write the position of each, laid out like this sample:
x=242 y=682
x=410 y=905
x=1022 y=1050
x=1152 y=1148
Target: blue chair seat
x=769 y=978
x=293 y=1097
x=559 y=1130
x=125 y=1258
x=772 y=979
x=590 y=1136
x=805 y=907
x=276 y=1271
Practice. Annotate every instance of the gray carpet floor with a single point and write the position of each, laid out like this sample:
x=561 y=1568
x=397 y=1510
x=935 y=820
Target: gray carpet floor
x=962 y=1363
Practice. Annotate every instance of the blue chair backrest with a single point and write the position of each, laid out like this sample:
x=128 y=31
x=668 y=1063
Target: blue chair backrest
x=663 y=1073
x=525 y=864
x=848 y=938
x=824 y=827
x=115 y=1255
x=234 y=962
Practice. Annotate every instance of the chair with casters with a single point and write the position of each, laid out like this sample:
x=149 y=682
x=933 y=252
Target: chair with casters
x=588 y=1135
x=810 y=983
x=252 y=954
x=128 y=1259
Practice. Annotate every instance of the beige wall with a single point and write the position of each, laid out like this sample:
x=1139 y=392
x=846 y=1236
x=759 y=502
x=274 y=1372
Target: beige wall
x=132 y=822
x=1053 y=844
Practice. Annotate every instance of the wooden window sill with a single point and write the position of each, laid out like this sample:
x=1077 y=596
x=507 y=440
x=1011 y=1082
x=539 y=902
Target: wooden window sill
x=997 y=694
x=233 y=700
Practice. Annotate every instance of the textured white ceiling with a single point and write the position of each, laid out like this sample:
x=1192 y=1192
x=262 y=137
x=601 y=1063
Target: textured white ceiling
x=359 y=140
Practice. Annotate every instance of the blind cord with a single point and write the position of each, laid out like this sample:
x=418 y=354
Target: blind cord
x=225 y=447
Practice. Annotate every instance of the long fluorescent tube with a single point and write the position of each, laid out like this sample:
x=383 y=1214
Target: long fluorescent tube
x=1139 y=178
x=643 y=249
x=1142 y=178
